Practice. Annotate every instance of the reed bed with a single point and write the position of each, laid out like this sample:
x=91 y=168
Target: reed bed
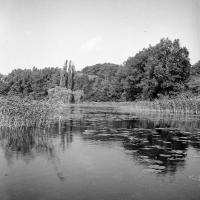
x=181 y=105
x=16 y=112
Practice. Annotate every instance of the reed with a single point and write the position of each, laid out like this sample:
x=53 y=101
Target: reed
x=180 y=105
x=16 y=112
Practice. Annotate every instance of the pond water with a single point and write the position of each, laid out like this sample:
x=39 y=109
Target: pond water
x=102 y=153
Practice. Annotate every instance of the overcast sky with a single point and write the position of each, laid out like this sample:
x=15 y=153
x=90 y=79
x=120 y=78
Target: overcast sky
x=44 y=33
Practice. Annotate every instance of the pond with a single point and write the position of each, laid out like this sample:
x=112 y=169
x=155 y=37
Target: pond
x=102 y=153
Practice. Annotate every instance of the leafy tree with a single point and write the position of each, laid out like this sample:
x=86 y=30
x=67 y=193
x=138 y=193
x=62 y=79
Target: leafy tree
x=96 y=81
x=64 y=75
x=61 y=94
x=71 y=72
x=162 y=69
x=101 y=70
x=194 y=82
x=33 y=83
x=3 y=85
x=195 y=69
x=156 y=71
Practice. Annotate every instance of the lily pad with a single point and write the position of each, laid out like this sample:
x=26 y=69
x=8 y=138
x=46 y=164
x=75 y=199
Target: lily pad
x=151 y=171
x=157 y=167
x=165 y=155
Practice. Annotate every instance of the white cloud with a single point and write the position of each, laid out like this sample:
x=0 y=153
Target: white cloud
x=91 y=44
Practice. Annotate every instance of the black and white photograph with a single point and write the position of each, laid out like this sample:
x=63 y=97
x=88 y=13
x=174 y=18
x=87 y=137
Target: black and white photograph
x=99 y=99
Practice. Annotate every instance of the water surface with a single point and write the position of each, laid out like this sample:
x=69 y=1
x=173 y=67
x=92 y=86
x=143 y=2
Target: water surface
x=102 y=153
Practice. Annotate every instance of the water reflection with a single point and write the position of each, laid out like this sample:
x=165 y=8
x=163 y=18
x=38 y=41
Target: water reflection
x=159 y=145
x=27 y=140
x=154 y=144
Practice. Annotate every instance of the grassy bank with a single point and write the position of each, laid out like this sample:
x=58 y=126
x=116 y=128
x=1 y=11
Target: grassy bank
x=16 y=112
x=181 y=105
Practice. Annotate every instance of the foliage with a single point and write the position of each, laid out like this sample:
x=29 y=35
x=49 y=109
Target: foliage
x=66 y=81
x=33 y=83
x=16 y=112
x=67 y=75
x=64 y=95
x=4 y=88
x=97 y=81
x=194 y=85
x=64 y=76
x=194 y=82
x=195 y=69
x=162 y=69
x=182 y=104
x=101 y=70
x=71 y=72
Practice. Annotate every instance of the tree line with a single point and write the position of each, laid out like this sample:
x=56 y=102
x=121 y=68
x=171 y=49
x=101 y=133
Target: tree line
x=159 y=71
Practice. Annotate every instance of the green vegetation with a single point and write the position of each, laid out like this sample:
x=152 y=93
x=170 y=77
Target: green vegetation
x=64 y=95
x=16 y=112
x=155 y=72
x=33 y=83
x=22 y=110
x=159 y=78
x=194 y=81
x=180 y=105
x=65 y=92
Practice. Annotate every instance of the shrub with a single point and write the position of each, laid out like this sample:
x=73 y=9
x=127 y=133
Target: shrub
x=64 y=95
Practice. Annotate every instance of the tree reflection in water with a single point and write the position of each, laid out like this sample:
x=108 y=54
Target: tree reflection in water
x=160 y=144
x=28 y=143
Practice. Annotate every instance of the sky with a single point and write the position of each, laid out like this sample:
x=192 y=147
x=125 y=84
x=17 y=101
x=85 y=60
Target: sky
x=44 y=33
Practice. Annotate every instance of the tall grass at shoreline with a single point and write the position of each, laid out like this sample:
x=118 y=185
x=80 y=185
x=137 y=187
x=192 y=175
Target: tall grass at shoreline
x=180 y=105
x=16 y=112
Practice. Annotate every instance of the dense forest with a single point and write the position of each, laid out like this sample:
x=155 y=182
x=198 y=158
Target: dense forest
x=160 y=71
